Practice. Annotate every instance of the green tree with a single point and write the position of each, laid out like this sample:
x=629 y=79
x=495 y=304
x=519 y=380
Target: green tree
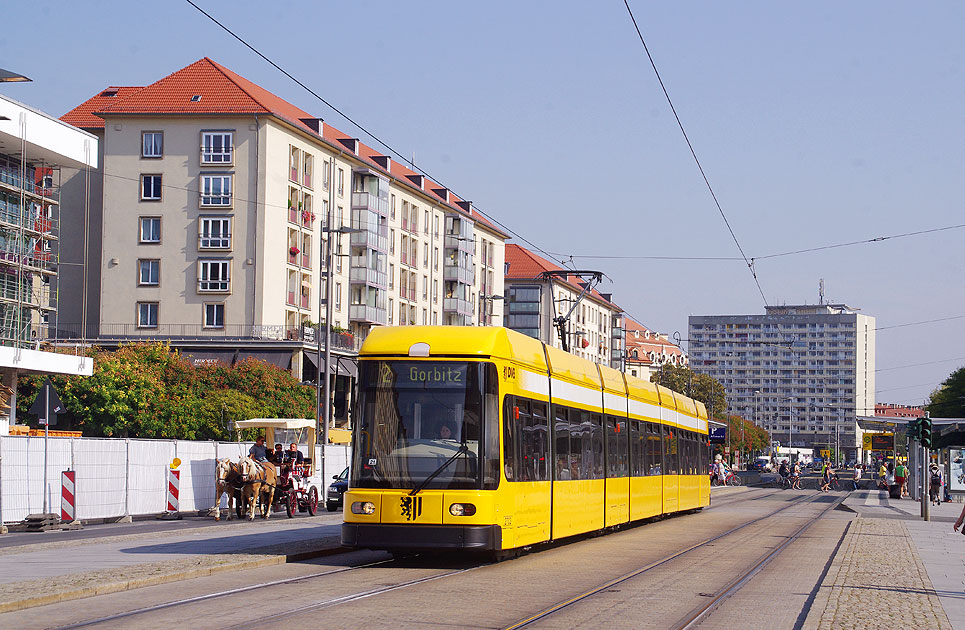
x=948 y=401
x=147 y=390
x=702 y=387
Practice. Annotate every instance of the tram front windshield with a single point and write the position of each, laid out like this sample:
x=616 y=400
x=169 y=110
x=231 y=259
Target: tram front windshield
x=416 y=416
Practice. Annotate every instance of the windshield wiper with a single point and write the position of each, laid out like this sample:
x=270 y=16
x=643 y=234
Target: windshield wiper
x=463 y=449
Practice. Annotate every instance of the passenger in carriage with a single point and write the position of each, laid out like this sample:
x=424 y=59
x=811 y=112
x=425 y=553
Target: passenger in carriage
x=278 y=455
x=293 y=455
x=258 y=451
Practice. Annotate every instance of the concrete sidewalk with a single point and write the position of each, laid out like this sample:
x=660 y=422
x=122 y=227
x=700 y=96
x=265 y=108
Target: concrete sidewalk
x=894 y=569
x=62 y=568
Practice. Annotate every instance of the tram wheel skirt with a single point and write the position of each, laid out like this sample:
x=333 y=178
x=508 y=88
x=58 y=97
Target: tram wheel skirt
x=386 y=536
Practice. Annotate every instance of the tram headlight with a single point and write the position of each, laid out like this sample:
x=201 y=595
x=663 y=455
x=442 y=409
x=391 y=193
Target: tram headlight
x=462 y=509
x=363 y=507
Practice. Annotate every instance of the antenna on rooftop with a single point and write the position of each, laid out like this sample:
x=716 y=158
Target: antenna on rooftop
x=821 y=291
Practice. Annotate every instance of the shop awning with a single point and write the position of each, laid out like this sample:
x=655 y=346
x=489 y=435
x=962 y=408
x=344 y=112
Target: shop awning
x=341 y=366
x=281 y=358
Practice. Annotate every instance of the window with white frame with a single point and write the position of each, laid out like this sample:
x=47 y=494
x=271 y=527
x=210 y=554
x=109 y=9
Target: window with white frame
x=216 y=190
x=338 y=296
x=425 y=222
x=340 y=184
x=391 y=310
x=213 y=275
x=326 y=173
x=391 y=276
x=148 y=272
x=307 y=168
x=150 y=230
x=214 y=315
x=152 y=144
x=151 y=187
x=214 y=233
x=294 y=158
x=147 y=314
x=216 y=147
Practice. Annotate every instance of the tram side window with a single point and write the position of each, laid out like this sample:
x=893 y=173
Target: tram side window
x=525 y=439
x=654 y=449
x=638 y=442
x=688 y=459
x=683 y=445
x=562 y=431
x=670 y=451
x=616 y=445
x=595 y=468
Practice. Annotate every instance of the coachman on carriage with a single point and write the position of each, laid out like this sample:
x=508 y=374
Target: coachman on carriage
x=288 y=480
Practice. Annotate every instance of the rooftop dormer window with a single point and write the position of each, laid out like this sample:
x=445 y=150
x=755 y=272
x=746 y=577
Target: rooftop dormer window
x=196 y=98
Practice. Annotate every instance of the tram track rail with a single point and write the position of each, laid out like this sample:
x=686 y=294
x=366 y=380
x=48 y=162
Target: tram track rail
x=718 y=598
x=372 y=592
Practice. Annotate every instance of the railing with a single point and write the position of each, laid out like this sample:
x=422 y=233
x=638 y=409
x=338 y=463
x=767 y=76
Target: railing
x=370 y=202
x=368 y=314
x=186 y=332
x=457 y=305
x=463 y=244
x=371 y=239
x=364 y=275
x=455 y=273
x=222 y=155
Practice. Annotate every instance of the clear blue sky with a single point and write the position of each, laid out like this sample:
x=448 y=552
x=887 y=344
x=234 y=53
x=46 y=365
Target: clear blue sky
x=817 y=123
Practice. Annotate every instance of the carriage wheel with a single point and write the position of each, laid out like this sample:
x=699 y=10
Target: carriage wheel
x=312 y=501
x=291 y=503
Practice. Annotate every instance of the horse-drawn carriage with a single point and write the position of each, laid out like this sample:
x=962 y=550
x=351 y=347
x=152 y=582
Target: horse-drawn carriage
x=272 y=485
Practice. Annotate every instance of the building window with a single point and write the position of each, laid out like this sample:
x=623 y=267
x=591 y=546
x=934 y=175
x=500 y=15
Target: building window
x=214 y=315
x=326 y=173
x=152 y=144
x=338 y=296
x=391 y=309
x=391 y=241
x=215 y=147
x=391 y=276
x=213 y=275
x=147 y=314
x=425 y=256
x=151 y=187
x=150 y=231
x=392 y=207
x=293 y=160
x=307 y=167
x=341 y=182
x=216 y=190
x=214 y=233
x=148 y=273
x=425 y=226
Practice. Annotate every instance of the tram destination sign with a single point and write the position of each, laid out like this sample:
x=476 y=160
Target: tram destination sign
x=879 y=441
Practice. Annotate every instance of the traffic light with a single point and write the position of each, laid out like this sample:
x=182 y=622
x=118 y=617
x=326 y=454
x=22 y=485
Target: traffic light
x=913 y=430
x=926 y=437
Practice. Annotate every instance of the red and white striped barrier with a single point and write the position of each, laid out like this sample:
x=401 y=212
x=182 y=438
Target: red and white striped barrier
x=67 y=494
x=174 y=482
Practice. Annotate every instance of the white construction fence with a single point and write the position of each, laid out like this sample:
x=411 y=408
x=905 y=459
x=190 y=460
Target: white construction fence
x=123 y=477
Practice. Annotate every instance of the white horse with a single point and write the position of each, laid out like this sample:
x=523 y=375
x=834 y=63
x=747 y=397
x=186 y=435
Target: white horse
x=227 y=474
x=259 y=480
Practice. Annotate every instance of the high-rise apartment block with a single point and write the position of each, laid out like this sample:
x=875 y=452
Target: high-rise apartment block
x=802 y=372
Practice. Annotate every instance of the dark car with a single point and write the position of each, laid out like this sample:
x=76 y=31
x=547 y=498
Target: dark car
x=336 y=491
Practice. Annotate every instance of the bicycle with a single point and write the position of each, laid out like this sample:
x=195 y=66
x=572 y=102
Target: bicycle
x=782 y=481
x=732 y=480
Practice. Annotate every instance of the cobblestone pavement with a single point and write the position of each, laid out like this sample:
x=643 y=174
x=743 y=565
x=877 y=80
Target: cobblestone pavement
x=877 y=579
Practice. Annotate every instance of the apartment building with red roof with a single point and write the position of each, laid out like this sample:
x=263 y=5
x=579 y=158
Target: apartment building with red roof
x=647 y=350
x=533 y=301
x=219 y=201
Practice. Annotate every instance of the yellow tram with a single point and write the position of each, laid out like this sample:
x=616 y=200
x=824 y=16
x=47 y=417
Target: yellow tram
x=483 y=438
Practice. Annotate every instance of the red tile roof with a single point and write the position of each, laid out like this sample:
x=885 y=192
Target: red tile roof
x=83 y=116
x=644 y=346
x=222 y=91
x=525 y=265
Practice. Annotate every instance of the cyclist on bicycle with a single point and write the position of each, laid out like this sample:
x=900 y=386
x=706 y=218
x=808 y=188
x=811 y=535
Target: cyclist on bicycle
x=785 y=472
x=721 y=471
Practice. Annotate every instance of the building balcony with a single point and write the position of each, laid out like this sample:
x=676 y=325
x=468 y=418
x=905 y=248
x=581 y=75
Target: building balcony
x=370 y=277
x=187 y=332
x=461 y=243
x=458 y=306
x=371 y=239
x=367 y=314
x=618 y=333
x=368 y=201
x=454 y=273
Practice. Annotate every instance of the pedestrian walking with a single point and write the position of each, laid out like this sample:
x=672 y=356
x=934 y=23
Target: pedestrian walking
x=935 y=485
x=857 y=476
x=901 y=474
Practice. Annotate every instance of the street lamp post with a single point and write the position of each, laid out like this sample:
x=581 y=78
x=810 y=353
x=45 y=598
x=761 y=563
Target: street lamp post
x=323 y=415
